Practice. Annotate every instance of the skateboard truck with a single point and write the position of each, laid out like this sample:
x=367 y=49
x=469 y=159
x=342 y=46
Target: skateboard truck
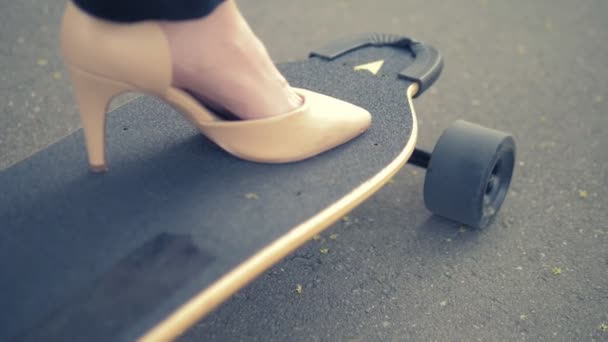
x=470 y=168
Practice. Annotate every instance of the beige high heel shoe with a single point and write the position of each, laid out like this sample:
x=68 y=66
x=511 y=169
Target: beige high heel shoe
x=106 y=59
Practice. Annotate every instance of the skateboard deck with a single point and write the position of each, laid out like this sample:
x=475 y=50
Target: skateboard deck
x=178 y=225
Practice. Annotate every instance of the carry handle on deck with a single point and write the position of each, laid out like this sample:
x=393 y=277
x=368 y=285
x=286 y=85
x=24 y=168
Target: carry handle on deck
x=424 y=70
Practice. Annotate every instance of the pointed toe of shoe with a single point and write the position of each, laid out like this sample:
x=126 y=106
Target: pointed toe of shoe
x=354 y=119
x=343 y=120
x=320 y=124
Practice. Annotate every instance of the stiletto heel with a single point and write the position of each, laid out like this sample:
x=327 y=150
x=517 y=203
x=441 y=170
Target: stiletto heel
x=106 y=59
x=93 y=95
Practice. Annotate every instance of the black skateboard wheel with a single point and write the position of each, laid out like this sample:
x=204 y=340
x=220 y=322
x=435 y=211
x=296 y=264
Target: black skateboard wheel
x=469 y=174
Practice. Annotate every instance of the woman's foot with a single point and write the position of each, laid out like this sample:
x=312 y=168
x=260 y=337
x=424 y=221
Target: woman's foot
x=221 y=61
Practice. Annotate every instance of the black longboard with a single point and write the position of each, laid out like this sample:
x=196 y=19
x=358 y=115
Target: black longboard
x=107 y=257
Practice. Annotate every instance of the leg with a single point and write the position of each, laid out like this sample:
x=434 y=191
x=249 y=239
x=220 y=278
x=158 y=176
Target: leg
x=216 y=57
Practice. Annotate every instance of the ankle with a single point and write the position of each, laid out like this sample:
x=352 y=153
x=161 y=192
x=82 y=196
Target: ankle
x=220 y=60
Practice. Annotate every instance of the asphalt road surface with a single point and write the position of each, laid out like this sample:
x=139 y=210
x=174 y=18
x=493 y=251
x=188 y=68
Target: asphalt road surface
x=392 y=271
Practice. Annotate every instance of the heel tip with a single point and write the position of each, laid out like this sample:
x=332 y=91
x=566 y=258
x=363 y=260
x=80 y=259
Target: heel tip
x=98 y=168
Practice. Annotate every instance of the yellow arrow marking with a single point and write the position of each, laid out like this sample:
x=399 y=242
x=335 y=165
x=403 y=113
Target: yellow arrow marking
x=372 y=67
